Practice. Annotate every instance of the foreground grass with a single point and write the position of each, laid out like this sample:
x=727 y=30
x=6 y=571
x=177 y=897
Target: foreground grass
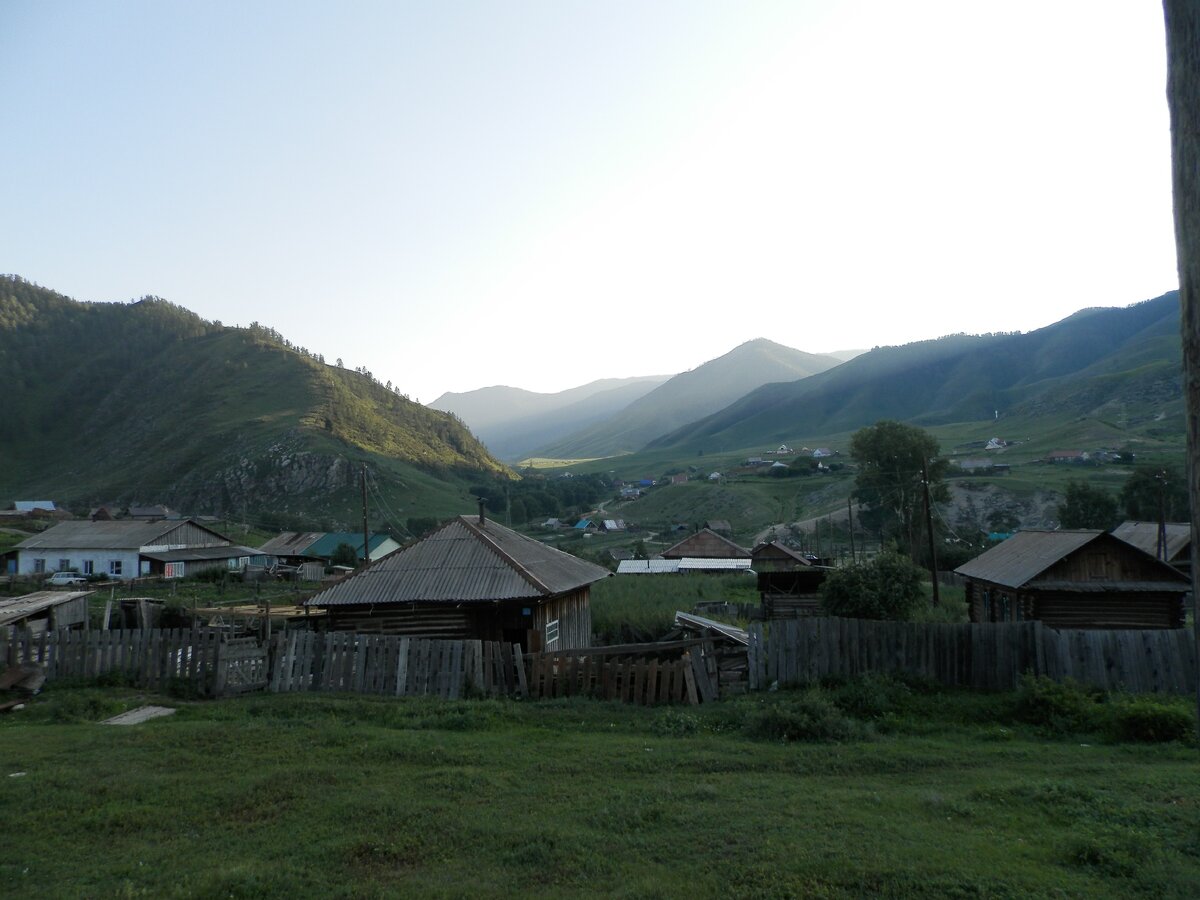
x=941 y=795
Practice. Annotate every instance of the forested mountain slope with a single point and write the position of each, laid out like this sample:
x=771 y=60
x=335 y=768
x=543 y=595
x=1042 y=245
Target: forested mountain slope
x=147 y=402
x=1125 y=359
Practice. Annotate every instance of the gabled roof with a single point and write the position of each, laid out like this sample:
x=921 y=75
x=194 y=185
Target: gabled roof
x=774 y=549
x=1028 y=554
x=1144 y=536
x=706 y=543
x=202 y=554
x=464 y=562
x=116 y=534
x=327 y=543
x=291 y=543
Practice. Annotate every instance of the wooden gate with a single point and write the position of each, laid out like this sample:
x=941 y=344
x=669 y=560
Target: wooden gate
x=241 y=666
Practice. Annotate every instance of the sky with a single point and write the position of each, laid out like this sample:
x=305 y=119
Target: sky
x=540 y=194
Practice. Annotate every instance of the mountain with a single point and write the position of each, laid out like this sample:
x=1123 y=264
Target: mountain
x=1096 y=362
x=513 y=422
x=147 y=402
x=689 y=396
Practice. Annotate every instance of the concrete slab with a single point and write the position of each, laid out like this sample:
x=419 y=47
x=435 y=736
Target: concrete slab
x=139 y=715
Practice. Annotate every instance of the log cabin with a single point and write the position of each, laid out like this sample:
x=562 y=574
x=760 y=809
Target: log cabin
x=1074 y=579
x=470 y=579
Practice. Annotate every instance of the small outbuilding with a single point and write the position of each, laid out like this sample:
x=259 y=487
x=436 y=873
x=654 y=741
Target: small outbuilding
x=1177 y=537
x=706 y=544
x=472 y=578
x=1074 y=579
x=45 y=611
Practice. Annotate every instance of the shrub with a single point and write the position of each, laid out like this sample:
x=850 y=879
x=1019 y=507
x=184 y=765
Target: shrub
x=886 y=587
x=1150 y=721
x=871 y=696
x=1065 y=706
x=809 y=716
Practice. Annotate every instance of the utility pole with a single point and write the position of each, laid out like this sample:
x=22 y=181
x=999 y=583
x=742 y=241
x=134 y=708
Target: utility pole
x=937 y=600
x=850 y=528
x=366 y=534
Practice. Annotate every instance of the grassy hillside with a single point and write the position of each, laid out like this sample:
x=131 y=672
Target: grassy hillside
x=689 y=396
x=146 y=402
x=1091 y=363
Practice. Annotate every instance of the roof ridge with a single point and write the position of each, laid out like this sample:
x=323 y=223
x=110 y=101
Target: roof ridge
x=491 y=543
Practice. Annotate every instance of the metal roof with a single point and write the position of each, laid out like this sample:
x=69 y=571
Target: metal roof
x=31 y=505
x=1144 y=536
x=648 y=566
x=291 y=543
x=700 y=623
x=201 y=554
x=22 y=607
x=702 y=564
x=1027 y=554
x=117 y=534
x=464 y=562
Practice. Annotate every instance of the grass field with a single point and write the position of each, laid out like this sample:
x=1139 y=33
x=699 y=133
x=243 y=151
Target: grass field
x=634 y=608
x=896 y=793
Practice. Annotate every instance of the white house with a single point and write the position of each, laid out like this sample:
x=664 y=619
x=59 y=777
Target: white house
x=125 y=549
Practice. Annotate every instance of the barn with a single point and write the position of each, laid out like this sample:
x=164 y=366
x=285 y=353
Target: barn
x=706 y=544
x=472 y=578
x=1074 y=579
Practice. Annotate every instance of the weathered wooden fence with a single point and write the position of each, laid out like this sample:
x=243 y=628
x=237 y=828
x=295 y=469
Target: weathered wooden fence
x=988 y=656
x=395 y=666
x=152 y=657
x=645 y=674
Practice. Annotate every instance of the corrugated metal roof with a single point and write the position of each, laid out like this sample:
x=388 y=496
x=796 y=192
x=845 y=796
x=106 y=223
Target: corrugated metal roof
x=328 y=542
x=1025 y=555
x=776 y=549
x=648 y=566
x=31 y=505
x=200 y=554
x=121 y=534
x=1144 y=536
x=291 y=543
x=700 y=623
x=703 y=564
x=464 y=562
x=21 y=607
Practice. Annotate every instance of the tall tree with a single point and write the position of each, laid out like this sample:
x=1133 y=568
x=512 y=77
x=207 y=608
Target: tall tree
x=1085 y=506
x=889 y=483
x=1151 y=488
x=1183 y=99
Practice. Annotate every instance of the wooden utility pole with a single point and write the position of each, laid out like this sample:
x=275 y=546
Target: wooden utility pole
x=933 y=575
x=850 y=528
x=366 y=535
x=1183 y=99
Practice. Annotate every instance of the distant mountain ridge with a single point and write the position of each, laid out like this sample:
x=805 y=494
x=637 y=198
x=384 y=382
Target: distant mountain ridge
x=690 y=396
x=513 y=422
x=147 y=402
x=1094 y=360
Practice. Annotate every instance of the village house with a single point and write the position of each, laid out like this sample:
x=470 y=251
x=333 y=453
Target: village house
x=472 y=578
x=1076 y=457
x=1074 y=579
x=789 y=583
x=311 y=552
x=126 y=548
x=706 y=544
x=1144 y=536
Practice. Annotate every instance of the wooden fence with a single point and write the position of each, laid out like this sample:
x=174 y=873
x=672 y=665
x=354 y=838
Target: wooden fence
x=395 y=666
x=153 y=657
x=645 y=674
x=988 y=656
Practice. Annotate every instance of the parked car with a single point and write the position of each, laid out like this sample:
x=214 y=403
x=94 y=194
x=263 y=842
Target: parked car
x=61 y=579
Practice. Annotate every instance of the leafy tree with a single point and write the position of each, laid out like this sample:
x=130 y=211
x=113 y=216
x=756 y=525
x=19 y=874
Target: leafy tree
x=1087 y=507
x=344 y=555
x=888 y=483
x=886 y=587
x=1140 y=494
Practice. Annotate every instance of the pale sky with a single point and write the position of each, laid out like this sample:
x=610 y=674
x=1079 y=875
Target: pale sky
x=461 y=194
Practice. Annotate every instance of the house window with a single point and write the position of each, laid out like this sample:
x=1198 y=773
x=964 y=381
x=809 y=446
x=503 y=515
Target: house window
x=233 y=564
x=173 y=570
x=114 y=567
x=64 y=565
x=39 y=566
x=552 y=635
x=89 y=567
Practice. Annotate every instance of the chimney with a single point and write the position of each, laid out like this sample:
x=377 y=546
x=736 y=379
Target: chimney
x=482 y=520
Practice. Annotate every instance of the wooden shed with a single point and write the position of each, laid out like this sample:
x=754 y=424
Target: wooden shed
x=472 y=578
x=1145 y=536
x=706 y=544
x=46 y=610
x=1074 y=579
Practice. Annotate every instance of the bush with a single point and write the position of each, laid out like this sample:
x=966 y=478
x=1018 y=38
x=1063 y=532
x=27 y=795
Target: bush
x=809 y=716
x=1061 y=707
x=886 y=587
x=1149 y=721
x=871 y=696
